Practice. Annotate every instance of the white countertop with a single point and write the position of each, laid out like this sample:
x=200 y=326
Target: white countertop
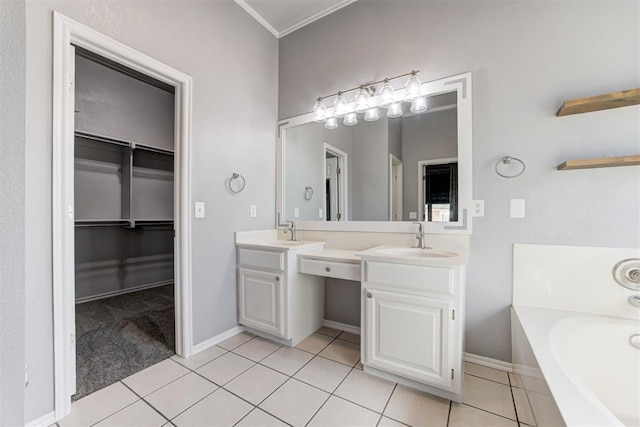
x=283 y=245
x=339 y=255
x=454 y=256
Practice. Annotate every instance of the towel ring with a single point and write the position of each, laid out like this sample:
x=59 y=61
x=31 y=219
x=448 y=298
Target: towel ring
x=507 y=161
x=308 y=193
x=239 y=181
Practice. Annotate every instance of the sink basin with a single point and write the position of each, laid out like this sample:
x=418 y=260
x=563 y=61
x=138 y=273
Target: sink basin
x=416 y=252
x=288 y=242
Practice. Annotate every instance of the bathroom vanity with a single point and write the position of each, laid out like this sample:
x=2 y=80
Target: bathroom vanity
x=412 y=303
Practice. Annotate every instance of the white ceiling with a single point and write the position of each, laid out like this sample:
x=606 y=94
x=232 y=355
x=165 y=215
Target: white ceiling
x=282 y=17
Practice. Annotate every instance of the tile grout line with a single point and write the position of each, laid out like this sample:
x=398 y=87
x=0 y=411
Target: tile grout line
x=114 y=412
x=513 y=400
x=449 y=413
x=489 y=412
x=387 y=403
x=488 y=379
x=150 y=405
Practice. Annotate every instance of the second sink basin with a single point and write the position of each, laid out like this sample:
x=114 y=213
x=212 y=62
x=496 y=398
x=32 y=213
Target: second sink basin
x=416 y=252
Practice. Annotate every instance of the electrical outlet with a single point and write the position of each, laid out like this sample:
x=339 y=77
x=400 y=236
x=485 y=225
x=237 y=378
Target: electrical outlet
x=199 y=209
x=477 y=208
x=253 y=211
x=413 y=215
x=296 y=212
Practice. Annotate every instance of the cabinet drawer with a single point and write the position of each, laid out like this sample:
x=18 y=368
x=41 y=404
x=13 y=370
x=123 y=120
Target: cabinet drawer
x=261 y=259
x=335 y=269
x=433 y=280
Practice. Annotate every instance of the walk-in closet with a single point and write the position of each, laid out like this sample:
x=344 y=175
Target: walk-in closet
x=124 y=232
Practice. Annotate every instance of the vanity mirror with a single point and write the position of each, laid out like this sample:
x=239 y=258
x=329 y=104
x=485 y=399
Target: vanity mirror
x=381 y=175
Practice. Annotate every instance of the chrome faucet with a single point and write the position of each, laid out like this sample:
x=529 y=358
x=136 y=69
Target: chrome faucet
x=420 y=235
x=291 y=228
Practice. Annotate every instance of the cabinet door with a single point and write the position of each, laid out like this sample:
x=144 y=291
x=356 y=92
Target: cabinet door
x=409 y=335
x=261 y=301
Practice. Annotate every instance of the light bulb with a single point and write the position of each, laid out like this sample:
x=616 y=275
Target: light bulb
x=395 y=110
x=331 y=123
x=362 y=100
x=413 y=88
x=350 y=119
x=418 y=105
x=386 y=95
x=340 y=106
x=371 y=115
x=319 y=111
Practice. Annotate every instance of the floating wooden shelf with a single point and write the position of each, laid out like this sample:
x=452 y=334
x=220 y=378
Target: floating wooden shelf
x=600 y=102
x=601 y=162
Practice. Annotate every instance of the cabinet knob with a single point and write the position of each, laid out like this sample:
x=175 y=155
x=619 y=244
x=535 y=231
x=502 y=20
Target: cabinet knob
x=327 y=269
x=369 y=295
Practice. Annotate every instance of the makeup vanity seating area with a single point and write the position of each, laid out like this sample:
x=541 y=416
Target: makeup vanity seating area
x=411 y=305
x=349 y=196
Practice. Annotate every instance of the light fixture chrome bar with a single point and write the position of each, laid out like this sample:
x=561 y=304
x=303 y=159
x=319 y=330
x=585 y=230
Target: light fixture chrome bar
x=368 y=85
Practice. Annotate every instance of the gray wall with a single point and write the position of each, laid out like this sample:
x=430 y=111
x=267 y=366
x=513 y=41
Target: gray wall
x=304 y=163
x=370 y=171
x=526 y=58
x=425 y=137
x=13 y=40
x=233 y=62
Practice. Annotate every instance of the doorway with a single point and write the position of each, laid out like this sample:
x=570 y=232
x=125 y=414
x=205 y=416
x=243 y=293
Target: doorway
x=69 y=35
x=395 y=188
x=335 y=177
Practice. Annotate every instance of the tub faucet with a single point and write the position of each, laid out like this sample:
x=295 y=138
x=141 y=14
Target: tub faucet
x=420 y=235
x=291 y=228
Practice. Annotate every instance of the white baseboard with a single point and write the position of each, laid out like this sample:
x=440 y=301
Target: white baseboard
x=217 y=339
x=488 y=362
x=341 y=326
x=43 y=421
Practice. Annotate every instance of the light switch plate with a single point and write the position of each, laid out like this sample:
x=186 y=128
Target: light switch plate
x=296 y=212
x=199 y=209
x=320 y=213
x=413 y=215
x=477 y=208
x=516 y=208
x=253 y=211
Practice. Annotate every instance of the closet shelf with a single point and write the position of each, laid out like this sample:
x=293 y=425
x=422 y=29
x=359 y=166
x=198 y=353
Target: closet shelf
x=122 y=143
x=130 y=223
x=600 y=162
x=624 y=98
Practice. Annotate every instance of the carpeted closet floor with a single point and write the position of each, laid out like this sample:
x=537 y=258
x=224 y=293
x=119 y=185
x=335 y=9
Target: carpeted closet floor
x=121 y=335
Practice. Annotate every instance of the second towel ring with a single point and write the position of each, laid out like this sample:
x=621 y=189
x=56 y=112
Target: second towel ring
x=308 y=193
x=507 y=161
x=236 y=183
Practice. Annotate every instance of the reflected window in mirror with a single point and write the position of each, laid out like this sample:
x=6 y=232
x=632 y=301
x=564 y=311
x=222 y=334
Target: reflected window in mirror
x=441 y=192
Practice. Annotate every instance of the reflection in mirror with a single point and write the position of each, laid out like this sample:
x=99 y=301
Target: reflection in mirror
x=392 y=169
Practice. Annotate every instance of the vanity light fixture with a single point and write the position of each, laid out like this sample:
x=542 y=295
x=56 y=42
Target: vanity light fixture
x=350 y=119
x=418 y=105
x=362 y=100
x=386 y=95
x=413 y=87
x=331 y=123
x=371 y=115
x=319 y=111
x=365 y=102
x=340 y=105
x=395 y=110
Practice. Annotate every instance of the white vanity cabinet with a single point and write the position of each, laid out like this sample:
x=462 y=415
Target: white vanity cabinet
x=413 y=324
x=274 y=300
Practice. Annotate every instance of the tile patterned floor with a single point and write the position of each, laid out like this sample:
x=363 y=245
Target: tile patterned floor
x=247 y=381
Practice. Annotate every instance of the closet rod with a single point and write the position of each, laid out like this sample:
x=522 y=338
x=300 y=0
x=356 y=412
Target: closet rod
x=122 y=143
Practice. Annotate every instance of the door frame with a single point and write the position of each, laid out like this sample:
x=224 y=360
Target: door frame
x=421 y=165
x=343 y=181
x=68 y=33
x=395 y=161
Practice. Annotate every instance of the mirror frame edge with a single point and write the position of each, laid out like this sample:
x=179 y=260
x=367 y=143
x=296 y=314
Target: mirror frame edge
x=462 y=84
